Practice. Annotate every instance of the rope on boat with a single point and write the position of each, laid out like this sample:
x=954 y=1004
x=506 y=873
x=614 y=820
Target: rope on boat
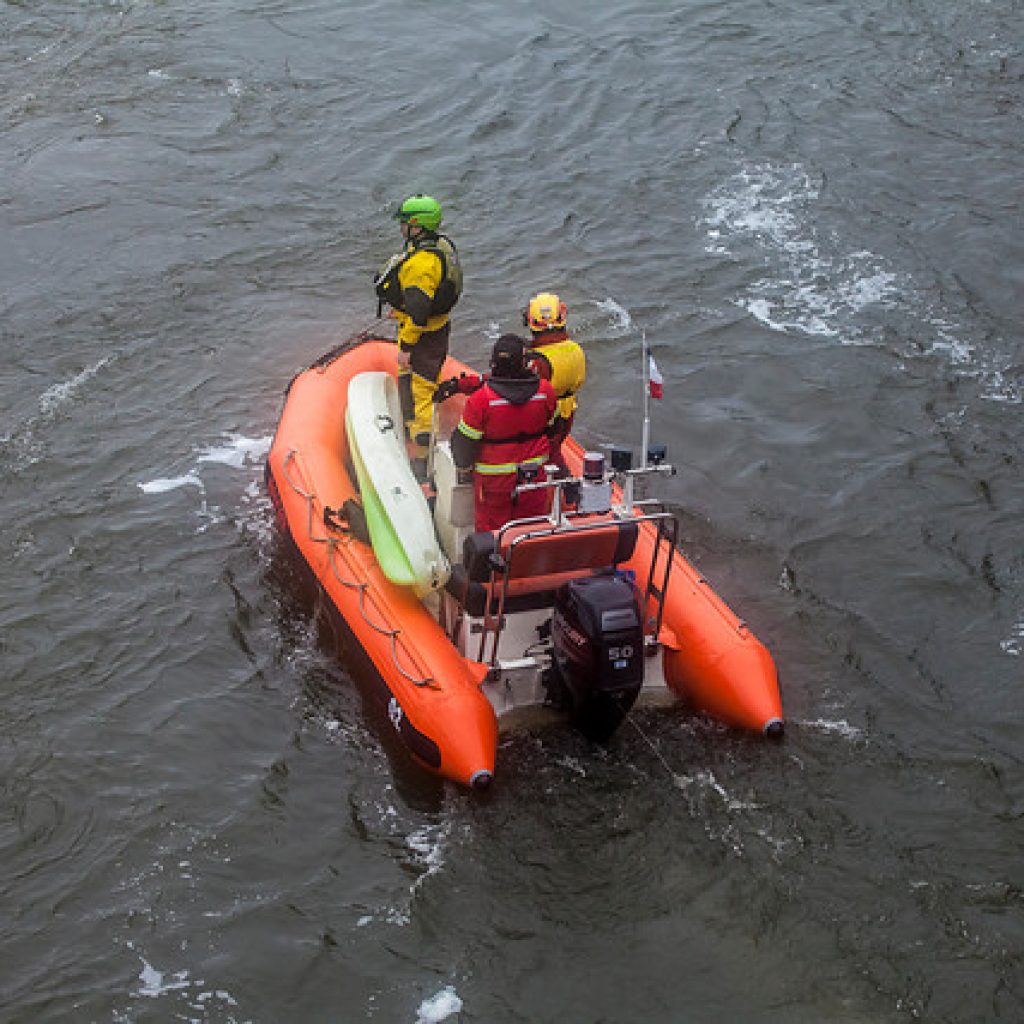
x=391 y=633
x=292 y=456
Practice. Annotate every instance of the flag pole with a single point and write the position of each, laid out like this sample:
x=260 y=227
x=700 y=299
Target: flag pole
x=646 y=377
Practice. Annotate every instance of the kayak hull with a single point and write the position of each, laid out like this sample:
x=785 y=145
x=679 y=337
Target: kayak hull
x=398 y=518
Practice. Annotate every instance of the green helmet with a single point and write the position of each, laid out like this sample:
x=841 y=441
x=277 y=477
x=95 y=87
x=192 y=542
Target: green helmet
x=422 y=210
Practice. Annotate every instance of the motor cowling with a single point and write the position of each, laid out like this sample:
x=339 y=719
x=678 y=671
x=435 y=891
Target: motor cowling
x=598 y=652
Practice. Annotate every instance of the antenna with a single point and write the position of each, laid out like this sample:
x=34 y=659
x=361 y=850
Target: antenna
x=646 y=377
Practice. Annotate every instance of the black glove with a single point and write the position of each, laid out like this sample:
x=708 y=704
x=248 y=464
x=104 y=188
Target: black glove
x=446 y=389
x=554 y=426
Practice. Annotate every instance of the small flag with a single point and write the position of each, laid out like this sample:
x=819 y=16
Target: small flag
x=654 y=379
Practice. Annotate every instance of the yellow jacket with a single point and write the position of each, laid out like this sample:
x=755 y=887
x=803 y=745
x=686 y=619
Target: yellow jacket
x=419 y=277
x=560 y=359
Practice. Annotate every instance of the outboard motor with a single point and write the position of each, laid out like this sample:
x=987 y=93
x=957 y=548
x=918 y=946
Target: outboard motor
x=597 y=632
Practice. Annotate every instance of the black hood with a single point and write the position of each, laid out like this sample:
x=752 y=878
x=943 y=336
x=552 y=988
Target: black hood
x=517 y=390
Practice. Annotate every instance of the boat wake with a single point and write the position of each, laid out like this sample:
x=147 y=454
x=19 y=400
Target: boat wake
x=423 y=852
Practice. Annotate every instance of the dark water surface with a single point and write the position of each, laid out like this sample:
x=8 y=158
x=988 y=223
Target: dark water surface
x=813 y=210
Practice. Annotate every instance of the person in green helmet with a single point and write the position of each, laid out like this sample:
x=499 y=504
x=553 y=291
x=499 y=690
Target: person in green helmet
x=421 y=284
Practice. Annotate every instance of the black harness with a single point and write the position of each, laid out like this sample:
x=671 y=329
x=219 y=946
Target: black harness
x=448 y=291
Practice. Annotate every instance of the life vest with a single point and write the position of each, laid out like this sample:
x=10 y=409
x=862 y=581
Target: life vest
x=446 y=295
x=560 y=360
x=505 y=424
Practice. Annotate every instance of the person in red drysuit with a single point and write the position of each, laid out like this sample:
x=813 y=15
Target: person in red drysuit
x=505 y=425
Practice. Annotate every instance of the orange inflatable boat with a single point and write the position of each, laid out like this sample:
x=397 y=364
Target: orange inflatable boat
x=581 y=614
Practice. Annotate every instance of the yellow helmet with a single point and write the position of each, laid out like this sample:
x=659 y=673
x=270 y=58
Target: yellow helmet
x=545 y=312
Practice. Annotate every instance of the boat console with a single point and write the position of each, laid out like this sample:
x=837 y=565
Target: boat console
x=545 y=602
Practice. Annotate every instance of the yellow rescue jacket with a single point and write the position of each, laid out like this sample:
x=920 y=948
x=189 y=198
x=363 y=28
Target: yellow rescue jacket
x=422 y=284
x=561 y=360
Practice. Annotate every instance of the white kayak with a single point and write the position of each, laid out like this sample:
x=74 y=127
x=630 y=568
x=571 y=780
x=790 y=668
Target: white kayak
x=397 y=515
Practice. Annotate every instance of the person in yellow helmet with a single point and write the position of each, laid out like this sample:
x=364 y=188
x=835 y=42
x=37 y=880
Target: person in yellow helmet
x=557 y=358
x=422 y=284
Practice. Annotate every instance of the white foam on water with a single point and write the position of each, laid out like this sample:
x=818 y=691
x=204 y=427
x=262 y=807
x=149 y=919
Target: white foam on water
x=809 y=289
x=428 y=847
x=761 y=203
x=838 y=727
x=572 y=764
x=58 y=394
x=945 y=343
x=812 y=286
x=171 y=483
x=869 y=290
x=1000 y=389
x=24 y=446
x=238 y=452
x=153 y=983
x=621 y=320
x=764 y=310
x=439 y=1007
x=705 y=780
x=254 y=513
x=1014 y=643
x=221 y=994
